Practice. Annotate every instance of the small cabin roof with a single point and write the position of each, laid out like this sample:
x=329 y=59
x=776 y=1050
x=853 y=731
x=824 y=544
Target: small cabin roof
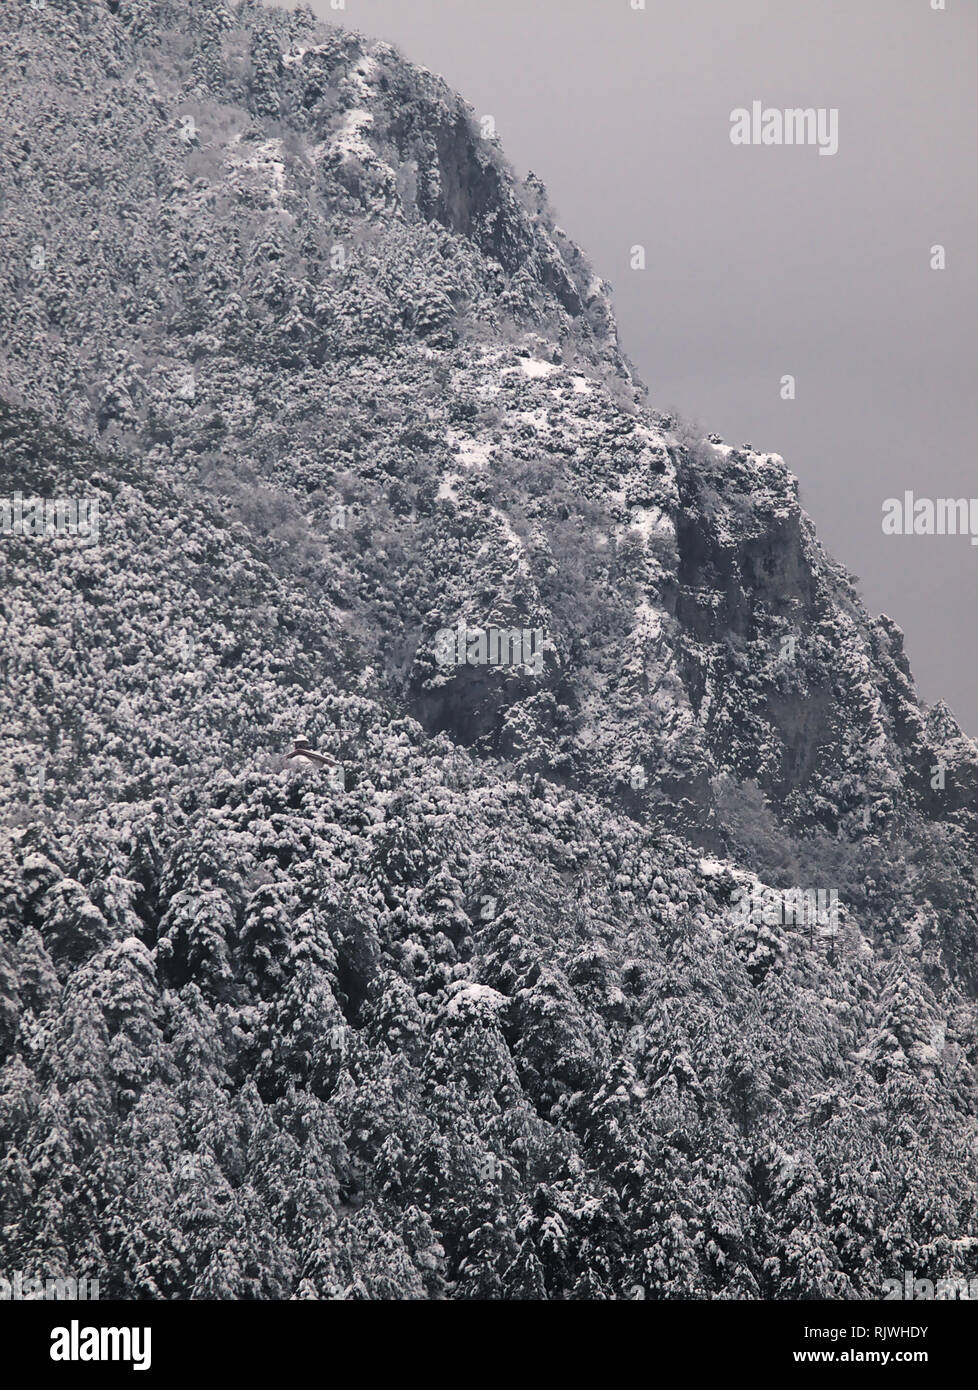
x=311 y=756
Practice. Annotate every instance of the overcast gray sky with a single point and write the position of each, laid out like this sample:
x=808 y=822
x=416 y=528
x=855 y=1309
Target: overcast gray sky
x=770 y=260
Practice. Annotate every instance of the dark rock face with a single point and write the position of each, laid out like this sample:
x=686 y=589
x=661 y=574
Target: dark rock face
x=486 y=1018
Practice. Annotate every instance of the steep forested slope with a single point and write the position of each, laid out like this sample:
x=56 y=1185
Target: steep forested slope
x=489 y=1022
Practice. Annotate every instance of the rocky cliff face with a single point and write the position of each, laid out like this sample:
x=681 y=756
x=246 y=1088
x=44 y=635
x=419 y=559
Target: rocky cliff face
x=250 y=211
x=339 y=384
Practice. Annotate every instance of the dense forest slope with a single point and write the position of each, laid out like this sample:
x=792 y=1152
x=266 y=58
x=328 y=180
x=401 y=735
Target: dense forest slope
x=489 y=1021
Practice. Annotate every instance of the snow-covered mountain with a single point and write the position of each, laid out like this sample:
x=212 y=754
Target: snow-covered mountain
x=489 y=1019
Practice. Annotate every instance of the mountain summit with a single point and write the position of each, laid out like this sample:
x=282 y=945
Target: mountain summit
x=635 y=946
